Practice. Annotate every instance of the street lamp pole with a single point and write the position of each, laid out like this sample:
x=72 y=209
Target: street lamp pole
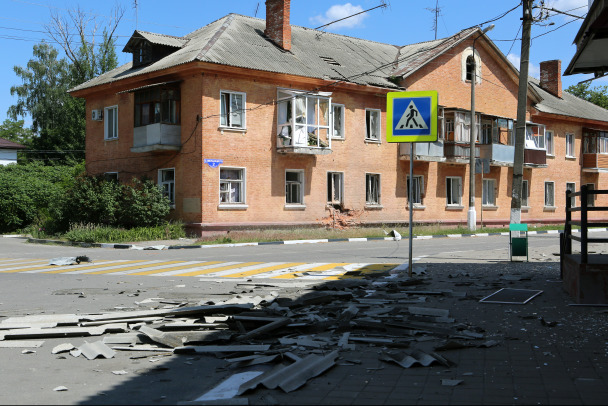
x=472 y=215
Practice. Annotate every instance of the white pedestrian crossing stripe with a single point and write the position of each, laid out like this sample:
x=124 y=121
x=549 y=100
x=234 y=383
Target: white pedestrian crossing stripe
x=203 y=269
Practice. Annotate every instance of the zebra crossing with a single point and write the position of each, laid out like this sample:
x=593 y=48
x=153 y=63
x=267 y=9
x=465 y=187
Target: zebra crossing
x=203 y=269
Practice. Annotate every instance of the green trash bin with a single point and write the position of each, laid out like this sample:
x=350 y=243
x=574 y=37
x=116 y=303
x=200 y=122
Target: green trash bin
x=518 y=246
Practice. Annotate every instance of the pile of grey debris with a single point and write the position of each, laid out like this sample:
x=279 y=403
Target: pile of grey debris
x=298 y=336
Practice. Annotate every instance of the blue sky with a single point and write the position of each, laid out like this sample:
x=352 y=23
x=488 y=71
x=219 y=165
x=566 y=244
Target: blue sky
x=22 y=25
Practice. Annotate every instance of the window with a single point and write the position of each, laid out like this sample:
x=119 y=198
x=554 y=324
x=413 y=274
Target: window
x=549 y=194
x=525 y=192
x=571 y=186
x=159 y=104
x=110 y=123
x=311 y=126
x=372 y=125
x=232 y=109
x=143 y=54
x=486 y=132
x=550 y=143
x=590 y=197
x=335 y=187
x=417 y=189
x=232 y=185
x=338 y=117
x=453 y=191
x=489 y=192
x=471 y=61
x=570 y=145
x=111 y=176
x=470 y=66
x=372 y=189
x=166 y=181
x=294 y=187
x=535 y=136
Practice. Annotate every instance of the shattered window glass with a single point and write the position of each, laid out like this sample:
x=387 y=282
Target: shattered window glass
x=372 y=187
x=232 y=186
x=293 y=187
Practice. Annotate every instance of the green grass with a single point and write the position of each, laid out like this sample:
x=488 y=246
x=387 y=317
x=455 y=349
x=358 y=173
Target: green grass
x=245 y=236
x=99 y=234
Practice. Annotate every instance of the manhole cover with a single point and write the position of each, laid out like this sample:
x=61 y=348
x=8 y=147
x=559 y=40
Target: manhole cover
x=515 y=296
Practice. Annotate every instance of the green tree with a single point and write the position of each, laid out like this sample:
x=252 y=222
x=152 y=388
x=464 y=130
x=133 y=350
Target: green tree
x=597 y=95
x=14 y=131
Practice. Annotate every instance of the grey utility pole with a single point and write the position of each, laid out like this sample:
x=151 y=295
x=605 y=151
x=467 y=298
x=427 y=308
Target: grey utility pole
x=522 y=102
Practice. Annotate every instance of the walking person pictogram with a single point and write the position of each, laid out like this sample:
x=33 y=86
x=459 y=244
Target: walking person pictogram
x=411 y=116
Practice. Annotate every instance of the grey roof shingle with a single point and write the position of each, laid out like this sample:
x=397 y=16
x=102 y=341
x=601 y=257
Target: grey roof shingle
x=569 y=105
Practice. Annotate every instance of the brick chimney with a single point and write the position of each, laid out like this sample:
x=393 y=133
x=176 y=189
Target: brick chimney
x=551 y=77
x=278 y=28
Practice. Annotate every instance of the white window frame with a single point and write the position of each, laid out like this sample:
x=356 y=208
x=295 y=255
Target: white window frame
x=488 y=191
x=418 y=187
x=465 y=54
x=572 y=186
x=107 y=124
x=550 y=194
x=295 y=127
x=342 y=115
x=167 y=186
x=373 y=186
x=525 y=193
x=299 y=188
x=550 y=142
x=226 y=117
x=570 y=142
x=368 y=135
x=333 y=189
x=449 y=186
x=242 y=182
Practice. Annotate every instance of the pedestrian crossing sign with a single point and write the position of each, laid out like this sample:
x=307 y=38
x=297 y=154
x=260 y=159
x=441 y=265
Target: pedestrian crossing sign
x=411 y=116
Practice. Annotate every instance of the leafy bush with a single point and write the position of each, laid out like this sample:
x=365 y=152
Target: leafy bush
x=27 y=193
x=143 y=204
x=95 y=233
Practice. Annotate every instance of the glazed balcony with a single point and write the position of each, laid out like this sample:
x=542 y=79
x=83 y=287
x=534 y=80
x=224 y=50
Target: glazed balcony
x=157 y=137
x=498 y=154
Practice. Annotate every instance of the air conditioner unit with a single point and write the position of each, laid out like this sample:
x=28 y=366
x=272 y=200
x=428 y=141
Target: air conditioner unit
x=96 y=115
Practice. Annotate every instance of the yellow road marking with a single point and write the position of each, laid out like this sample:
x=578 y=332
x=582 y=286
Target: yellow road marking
x=265 y=269
x=47 y=266
x=145 y=265
x=175 y=268
x=221 y=268
x=78 y=268
x=319 y=268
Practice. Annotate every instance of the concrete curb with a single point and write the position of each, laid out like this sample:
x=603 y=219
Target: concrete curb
x=286 y=242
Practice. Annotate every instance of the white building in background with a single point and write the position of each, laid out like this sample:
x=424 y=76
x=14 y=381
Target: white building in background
x=8 y=151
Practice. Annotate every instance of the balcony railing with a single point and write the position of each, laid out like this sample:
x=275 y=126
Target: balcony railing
x=595 y=162
x=424 y=151
x=157 y=137
x=535 y=157
x=498 y=154
x=459 y=152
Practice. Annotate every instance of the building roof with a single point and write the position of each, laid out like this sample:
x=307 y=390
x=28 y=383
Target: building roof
x=239 y=41
x=569 y=105
x=6 y=144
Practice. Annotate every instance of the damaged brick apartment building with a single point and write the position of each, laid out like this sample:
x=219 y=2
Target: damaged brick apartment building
x=248 y=122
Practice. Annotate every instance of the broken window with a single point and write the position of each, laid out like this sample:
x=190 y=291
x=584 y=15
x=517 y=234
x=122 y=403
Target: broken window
x=571 y=186
x=470 y=66
x=110 y=123
x=303 y=119
x=166 y=181
x=158 y=104
x=485 y=135
x=335 y=187
x=417 y=189
x=489 y=192
x=294 y=182
x=338 y=123
x=462 y=127
x=372 y=188
x=232 y=109
x=503 y=132
x=549 y=143
x=525 y=192
x=143 y=54
x=549 y=194
x=232 y=186
x=372 y=125
x=535 y=136
x=453 y=191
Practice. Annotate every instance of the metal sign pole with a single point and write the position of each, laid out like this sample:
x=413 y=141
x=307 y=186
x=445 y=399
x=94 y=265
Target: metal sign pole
x=411 y=202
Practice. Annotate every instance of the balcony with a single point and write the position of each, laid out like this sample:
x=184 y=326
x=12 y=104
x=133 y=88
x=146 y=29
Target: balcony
x=423 y=151
x=457 y=152
x=498 y=154
x=595 y=162
x=157 y=137
x=308 y=144
x=536 y=158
